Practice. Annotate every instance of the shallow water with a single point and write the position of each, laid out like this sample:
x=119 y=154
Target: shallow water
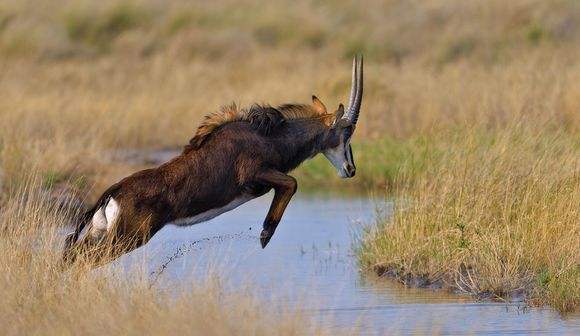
x=310 y=264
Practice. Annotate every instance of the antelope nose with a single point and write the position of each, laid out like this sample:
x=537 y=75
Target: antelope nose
x=350 y=170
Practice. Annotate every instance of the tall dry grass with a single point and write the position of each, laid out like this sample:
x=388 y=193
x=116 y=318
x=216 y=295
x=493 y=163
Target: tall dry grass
x=40 y=298
x=495 y=213
x=81 y=78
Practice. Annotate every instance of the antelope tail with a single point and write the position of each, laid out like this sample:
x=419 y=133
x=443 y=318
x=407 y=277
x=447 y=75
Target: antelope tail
x=73 y=237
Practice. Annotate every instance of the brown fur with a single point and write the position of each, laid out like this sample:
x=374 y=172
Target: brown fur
x=235 y=153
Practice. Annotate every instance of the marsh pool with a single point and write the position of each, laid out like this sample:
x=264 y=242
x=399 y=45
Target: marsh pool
x=310 y=264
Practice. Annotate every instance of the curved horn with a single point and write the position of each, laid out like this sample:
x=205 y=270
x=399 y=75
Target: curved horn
x=352 y=83
x=356 y=91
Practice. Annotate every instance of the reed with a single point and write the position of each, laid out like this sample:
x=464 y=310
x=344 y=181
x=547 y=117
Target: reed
x=40 y=297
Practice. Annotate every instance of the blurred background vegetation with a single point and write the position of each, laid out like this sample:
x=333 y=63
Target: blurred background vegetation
x=79 y=78
x=386 y=31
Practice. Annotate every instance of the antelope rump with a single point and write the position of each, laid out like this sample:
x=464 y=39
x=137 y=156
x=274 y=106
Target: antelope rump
x=235 y=156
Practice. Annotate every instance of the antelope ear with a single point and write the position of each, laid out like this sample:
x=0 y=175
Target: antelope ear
x=318 y=105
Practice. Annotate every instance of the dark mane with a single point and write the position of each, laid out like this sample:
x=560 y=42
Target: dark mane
x=263 y=118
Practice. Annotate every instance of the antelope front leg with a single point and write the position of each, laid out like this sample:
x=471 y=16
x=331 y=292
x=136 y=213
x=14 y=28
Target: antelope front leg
x=284 y=188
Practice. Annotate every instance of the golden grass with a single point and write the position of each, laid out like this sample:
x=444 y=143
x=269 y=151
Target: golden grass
x=40 y=298
x=143 y=73
x=80 y=79
x=496 y=213
x=65 y=118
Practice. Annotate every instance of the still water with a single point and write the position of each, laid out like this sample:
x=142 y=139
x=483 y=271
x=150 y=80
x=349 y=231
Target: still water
x=310 y=264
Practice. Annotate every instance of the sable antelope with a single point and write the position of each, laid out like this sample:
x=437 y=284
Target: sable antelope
x=235 y=156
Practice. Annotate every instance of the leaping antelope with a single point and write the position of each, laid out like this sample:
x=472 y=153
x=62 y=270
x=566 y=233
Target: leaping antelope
x=235 y=156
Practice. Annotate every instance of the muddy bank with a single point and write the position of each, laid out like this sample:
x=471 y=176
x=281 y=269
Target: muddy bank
x=459 y=285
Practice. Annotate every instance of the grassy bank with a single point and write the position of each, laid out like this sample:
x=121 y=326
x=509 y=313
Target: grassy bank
x=39 y=298
x=496 y=215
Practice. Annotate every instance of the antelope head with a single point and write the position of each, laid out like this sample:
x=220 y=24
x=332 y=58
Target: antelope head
x=337 y=147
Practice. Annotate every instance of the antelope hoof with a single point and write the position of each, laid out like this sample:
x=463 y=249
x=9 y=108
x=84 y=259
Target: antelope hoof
x=265 y=237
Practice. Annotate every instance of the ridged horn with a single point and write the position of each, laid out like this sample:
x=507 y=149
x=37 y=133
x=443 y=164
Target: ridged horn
x=356 y=90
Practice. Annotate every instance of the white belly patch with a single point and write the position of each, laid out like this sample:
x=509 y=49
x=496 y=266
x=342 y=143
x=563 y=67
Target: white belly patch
x=205 y=216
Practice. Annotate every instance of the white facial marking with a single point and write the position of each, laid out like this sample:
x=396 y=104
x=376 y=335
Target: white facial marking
x=339 y=156
x=336 y=156
x=205 y=216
